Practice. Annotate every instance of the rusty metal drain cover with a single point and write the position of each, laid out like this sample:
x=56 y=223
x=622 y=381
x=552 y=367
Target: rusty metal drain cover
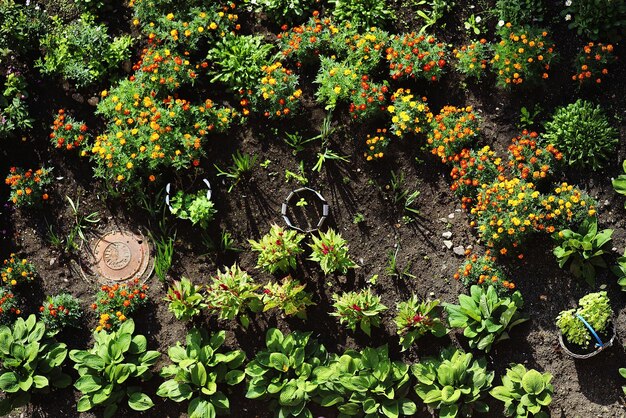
x=121 y=255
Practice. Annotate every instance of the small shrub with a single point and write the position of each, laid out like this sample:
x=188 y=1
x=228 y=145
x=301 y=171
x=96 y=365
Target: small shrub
x=285 y=11
x=593 y=308
x=288 y=296
x=365 y=13
x=415 y=56
x=282 y=374
x=597 y=19
x=200 y=372
x=528 y=159
x=114 y=304
x=278 y=249
x=195 y=207
x=409 y=114
x=368 y=99
x=592 y=62
x=17 y=271
x=521 y=12
x=362 y=308
x=185 y=300
x=472 y=59
x=471 y=169
x=277 y=94
x=330 y=250
x=452 y=130
x=14 y=116
x=336 y=79
x=416 y=318
x=582 y=132
x=567 y=207
x=452 y=383
x=485 y=317
x=67 y=132
x=113 y=369
x=524 y=392
x=61 y=311
x=28 y=187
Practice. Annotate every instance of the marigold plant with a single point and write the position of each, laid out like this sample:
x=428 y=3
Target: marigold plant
x=28 y=187
x=67 y=133
x=9 y=306
x=483 y=271
x=368 y=99
x=336 y=79
x=16 y=271
x=528 y=159
x=409 y=114
x=592 y=63
x=116 y=303
x=363 y=48
x=304 y=43
x=376 y=145
x=416 y=56
x=472 y=59
x=523 y=55
x=567 y=206
x=277 y=94
x=61 y=311
x=452 y=130
x=472 y=169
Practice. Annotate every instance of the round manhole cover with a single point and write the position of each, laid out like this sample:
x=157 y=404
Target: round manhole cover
x=121 y=255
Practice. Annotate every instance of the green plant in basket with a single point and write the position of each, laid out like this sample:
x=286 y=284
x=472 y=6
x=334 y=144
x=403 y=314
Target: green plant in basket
x=282 y=374
x=184 y=299
x=200 y=373
x=289 y=296
x=362 y=308
x=330 y=250
x=453 y=383
x=278 y=249
x=594 y=308
x=417 y=318
x=195 y=207
x=524 y=392
x=583 y=250
x=113 y=369
x=366 y=383
x=30 y=362
x=485 y=317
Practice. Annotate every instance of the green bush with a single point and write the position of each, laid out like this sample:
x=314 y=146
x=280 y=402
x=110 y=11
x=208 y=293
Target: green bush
x=61 y=311
x=417 y=318
x=520 y=12
x=362 y=308
x=195 y=207
x=597 y=19
x=14 y=116
x=362 y=13
x=330 y=250
x=583 y=134
x=524 y=392
x=20 y=27
x=278 y=249
x=285 y=11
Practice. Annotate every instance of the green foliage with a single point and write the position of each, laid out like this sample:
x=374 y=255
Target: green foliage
x=185 y=299
x=619 y=184
x=61 y=311
x=597 y=19
x=283 y=373
x=362 y=13
x=285 y=11
x=524 y=392
x=20 y=27
x=238 y=61
x=201 y=372
x=453 y=383
x=289 y=297
x=582 y=132
x=30 y=362
x=583 y=249
x=239 y=170
x=330 y=250
x=232 y=294
x=336 y=80
x=112 y=369
x=362 y=308
x=593 y=308
x=365 y=383
x=82 y=52
x=278 y=249
x=620 y=271
x=431 y=11
x=485 y=317
x=195 y=207
x=622 y=372
x=418 y=317
x=472 y=58
x=14 y=117
x=520 y=12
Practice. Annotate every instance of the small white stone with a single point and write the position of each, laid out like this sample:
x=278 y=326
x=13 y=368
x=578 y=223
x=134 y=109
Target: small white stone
x=451 y=216
x=459 y=250
x=447 y=235
x=448 y=244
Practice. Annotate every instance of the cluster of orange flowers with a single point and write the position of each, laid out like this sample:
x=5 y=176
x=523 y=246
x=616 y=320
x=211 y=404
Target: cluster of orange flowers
x=593 y=61
x=66 y=132
x=483 y=270
x=16 y=271
x=452 y=130
x=472 y=169
x=27 y=187
x=8 y=305
x=415 y=56
x=376 y=145
x=529 y=159
x=115 y=303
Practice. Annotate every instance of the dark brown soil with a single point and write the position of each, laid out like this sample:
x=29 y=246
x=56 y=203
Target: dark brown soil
x=586 y=389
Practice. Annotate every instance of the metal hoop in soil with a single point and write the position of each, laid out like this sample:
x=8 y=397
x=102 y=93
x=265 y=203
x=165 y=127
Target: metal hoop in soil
x=567 y=348
x=308 y=217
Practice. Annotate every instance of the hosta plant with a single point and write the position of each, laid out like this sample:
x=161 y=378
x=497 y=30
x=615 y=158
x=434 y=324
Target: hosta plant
x=453 y=383
x=583 y=250
x=485 y=317
x=201 y=372
x=366 y=383
x=418 y=317
x=195 y=207
x=61 y=311
x=525 y=393
x=288 y=296
x=185 y=300
x=231 y=294
x=362 y=308
x=30 y=362
x=113 y=369
x=282 y=374
x=619 y=270
x=595 y=309
x=330 y=250
x=278 y=249
x=619 y=183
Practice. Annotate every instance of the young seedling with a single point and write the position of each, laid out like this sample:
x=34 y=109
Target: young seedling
x=242 y=166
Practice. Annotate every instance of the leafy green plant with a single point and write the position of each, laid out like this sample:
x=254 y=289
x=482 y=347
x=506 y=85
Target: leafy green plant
x=362 y=308
x=365 y=383
x=232 y=294
x=453 y=384
x=594 y=308
x=485 y=317
x=524 y=392
x=431 y=11
x=620 y=271
x=622 y=372
x=61 y=311
x=110 y=370
x=81 y=226
x=619 y=183
x=521 y=12
x=364 y=14
x=195 y=207
x=596 y=19
x=282 y=374
x=14 y=116
x=400 y=194
x=330 y=250
x=583 y=250
x=281 y=11
x=278 y=249
x=418 y=317
x=185 y=299
x=528 y=117
x=30 y=362
x=239 y=170
x=582 y=132
x=164 y=254
x=200 y=373
x=288 y=296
